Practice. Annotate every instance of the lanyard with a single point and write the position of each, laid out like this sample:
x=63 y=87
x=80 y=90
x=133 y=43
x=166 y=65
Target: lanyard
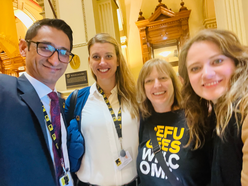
x=51 y=130
x=117 y=121
x=54 y=138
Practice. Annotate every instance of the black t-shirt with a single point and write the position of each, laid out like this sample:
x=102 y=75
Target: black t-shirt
x=227 y=157
x=191 y=167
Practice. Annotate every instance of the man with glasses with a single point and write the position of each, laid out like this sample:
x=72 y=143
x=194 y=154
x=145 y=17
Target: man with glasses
x=32 y=127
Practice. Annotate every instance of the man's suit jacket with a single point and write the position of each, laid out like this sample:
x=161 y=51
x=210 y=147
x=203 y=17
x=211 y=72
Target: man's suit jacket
x=25 y=159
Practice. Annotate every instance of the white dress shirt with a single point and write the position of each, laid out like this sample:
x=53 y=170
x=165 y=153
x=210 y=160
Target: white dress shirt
x=42 y=91
x=102 y=145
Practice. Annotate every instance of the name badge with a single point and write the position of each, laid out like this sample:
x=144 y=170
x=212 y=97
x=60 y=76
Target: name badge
x=121 y=162
x=66 y=180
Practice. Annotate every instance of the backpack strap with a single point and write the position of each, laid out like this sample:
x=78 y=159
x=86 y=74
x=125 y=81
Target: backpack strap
x=73 y=102
x=83 y=95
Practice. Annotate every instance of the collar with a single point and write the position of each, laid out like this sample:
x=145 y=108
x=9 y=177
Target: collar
x=94 y=90
x=41 y=89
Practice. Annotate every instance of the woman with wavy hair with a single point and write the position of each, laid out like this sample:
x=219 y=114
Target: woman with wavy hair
x=159 y=98
x=213 y=65
x=109 y=119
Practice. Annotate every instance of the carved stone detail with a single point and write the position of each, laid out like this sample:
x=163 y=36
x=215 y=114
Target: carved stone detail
x=80 y=45
x=85 y=23
x=210 y=23
x=41 y=3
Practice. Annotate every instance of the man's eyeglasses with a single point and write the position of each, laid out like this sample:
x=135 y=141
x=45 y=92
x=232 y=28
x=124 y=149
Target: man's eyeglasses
x=47 y=50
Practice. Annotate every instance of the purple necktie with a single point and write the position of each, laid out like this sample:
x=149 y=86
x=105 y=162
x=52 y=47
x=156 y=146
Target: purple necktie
x=55 y=115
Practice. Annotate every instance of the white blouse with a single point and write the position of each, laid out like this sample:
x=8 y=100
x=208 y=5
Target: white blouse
x=102 y=145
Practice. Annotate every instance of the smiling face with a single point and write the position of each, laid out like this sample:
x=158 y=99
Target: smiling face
x=209 y=70
x=103 y=62
x=44 y=69
x=159 y=90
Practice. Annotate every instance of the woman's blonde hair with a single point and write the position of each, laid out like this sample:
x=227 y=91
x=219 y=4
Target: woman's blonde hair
x=162 y=67
x=197 y=109
x=124 y=79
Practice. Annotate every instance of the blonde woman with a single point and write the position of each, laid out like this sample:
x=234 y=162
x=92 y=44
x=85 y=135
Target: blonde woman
x=214 y=67
x=159 y=100
x=109 y=119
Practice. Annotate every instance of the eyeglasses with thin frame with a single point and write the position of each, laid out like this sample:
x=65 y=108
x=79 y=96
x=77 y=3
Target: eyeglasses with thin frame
x=47 y=50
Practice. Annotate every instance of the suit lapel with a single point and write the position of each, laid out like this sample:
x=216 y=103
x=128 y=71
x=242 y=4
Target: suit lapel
x=33 y=101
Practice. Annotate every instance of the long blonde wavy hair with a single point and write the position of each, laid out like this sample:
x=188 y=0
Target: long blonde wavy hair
x=235 y=100
x=124 y=79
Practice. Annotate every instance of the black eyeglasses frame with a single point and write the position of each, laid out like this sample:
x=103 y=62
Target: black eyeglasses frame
x=56 y=50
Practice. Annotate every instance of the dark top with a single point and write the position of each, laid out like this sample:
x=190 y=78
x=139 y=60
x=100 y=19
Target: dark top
x=191 y=167
x=227 y=157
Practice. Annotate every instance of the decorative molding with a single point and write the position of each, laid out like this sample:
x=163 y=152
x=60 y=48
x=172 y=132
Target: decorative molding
x=85 y=24
x=55 y=6
x=10 y=40
x=105 y=17
x=210 y=23
x=41 y=3
x=163 y=28
x=235 y=19
x=165 y=24
x=80 y=45
x=85 y=29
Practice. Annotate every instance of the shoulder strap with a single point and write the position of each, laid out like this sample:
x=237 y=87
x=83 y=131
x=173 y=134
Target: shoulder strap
x=83 y=99
x=141 y=129
x=73 y=102
x=158 y=153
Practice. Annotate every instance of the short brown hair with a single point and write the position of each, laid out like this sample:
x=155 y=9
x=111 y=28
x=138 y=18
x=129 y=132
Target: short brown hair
x=55 y=23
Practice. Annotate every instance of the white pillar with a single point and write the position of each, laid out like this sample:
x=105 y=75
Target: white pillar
x=209 y=14
x=230 y=15
x=106 y=18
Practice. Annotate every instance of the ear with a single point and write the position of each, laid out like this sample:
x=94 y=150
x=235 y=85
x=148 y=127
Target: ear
x=23 y=47
x=89 y=61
